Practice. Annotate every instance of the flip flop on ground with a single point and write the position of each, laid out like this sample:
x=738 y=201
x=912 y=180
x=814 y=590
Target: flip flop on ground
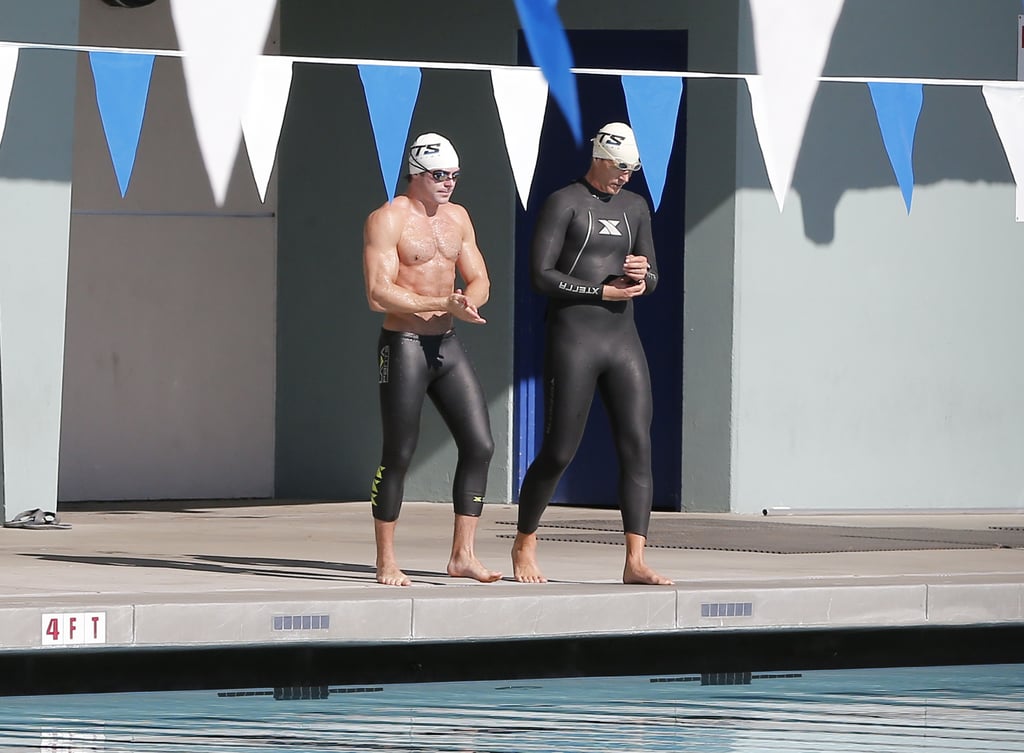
x=36 y=519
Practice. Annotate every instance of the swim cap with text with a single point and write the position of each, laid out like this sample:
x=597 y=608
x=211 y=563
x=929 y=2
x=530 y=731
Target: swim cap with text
x=432 y=151
x=616 y=142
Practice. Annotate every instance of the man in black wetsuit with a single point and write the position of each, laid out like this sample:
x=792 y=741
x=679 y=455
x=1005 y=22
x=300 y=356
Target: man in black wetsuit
x=412 y=249
x=591 y=255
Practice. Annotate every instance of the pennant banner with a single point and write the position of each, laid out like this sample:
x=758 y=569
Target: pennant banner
x=549 y=46
x=387 y=83
x=521 y=97
x=391 y=95
x=263 y=118
x=898 y=108
x=8 y=67
x=1006 y=103
x=221 y=41
x=122 y=89
x=791 y=41
x=653 y=107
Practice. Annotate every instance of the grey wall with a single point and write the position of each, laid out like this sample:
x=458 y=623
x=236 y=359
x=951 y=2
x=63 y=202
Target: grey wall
x=708 y=271
x=169 y=373
x=874 y=353
x=35 y=201
x=328 y=436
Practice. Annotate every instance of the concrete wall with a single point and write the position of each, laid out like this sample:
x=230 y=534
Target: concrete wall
x=169 y=373
x=328 y=438
x=837 y=355
x=35 y=203
x=875 y=358
x=708 y=270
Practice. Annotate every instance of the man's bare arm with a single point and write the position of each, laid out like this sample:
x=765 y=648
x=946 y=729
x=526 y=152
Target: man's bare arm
x=472 y=267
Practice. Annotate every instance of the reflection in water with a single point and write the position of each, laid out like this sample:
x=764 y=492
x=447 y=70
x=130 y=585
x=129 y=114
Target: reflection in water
x=876 y=711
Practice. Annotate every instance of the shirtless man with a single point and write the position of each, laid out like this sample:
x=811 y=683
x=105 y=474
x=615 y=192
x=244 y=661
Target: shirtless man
x=592 y=255
x=412 y=249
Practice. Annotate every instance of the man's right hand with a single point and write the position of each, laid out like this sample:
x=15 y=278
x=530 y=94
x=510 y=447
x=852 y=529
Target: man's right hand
x=622 y=289
x=458 y=305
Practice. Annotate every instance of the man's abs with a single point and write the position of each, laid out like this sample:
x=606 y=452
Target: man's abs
x=434 y=323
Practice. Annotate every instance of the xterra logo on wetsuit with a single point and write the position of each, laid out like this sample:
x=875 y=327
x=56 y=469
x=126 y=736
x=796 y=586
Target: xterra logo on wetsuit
x=384 y=365
x=610 y=227
x=585 y=289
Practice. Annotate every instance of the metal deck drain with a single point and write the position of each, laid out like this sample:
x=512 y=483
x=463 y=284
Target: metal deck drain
x=781 y=538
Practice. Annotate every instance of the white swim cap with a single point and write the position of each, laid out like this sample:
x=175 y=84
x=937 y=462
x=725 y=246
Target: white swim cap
x=431 y=151
x=616 y=142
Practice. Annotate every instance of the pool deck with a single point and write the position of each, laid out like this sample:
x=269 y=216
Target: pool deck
x=242 y=573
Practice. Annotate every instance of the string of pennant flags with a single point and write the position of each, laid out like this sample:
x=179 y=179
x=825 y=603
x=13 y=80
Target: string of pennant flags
x=237 y=92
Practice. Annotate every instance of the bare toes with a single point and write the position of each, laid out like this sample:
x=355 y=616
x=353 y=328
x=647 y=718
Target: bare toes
x=392 y=577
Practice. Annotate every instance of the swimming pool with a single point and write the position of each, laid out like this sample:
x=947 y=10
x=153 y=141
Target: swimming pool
x=974 y=708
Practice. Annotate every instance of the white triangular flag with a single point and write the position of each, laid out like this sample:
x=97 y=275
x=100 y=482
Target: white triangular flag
x=261 y=123
x=522 y=98
x=1006 y=104
x=8 y=67
x=792 y=39
x=221 y=41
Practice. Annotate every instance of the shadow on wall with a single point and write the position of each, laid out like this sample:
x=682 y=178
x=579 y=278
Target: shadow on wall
x=842 y=148
x=44 y=122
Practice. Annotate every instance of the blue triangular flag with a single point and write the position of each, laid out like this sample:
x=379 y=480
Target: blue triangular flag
x=549 y=46
x=898 y=107
x=122 y=88
x=391 y=93
x=653 y=106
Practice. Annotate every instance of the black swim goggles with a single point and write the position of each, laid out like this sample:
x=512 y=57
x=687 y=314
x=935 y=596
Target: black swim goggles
x=440 y=176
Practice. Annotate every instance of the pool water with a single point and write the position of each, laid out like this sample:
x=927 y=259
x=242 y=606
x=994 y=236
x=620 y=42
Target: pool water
x=978 y=708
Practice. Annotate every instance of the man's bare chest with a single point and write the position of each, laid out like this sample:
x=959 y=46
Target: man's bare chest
x=430 y=240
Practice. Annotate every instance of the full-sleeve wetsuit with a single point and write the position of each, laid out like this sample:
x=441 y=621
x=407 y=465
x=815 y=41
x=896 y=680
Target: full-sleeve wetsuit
x=580 y=243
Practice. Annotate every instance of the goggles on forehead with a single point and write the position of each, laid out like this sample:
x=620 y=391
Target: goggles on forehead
x=630 y=167
x=609 y=157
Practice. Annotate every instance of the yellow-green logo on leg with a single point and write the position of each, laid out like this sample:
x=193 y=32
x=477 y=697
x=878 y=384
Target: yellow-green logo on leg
x=375 y=484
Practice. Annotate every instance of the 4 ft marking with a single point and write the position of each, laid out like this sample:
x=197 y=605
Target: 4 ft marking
x=69 y=629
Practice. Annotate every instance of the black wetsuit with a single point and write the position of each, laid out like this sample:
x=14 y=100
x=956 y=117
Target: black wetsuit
x=580 y=242
x=410 y=367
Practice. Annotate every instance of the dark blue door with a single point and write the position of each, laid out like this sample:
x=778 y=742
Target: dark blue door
x=592 y=478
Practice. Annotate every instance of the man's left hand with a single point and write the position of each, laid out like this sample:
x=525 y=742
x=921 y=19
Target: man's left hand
x=636 y=267
x=460 y=307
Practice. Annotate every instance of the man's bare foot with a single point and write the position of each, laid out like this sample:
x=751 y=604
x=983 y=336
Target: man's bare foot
x=390 y=575
x=641 y=574
x=471 y=567
x=388 y=572
x=462 y=563
x=524 y=559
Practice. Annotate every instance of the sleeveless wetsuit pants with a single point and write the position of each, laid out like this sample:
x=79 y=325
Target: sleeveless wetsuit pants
x=410 y=367
x=592 y=346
